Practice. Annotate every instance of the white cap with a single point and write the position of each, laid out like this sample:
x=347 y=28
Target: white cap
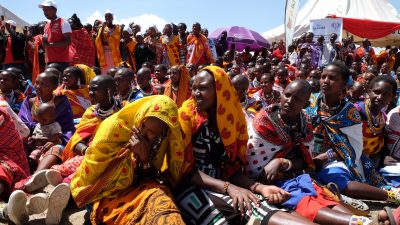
x=48 y=3
x=12 y=23
x=128 y=29
x=108 y=11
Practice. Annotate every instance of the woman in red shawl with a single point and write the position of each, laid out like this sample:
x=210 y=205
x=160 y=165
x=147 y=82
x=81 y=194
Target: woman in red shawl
x=13 y=167
x=82 y=48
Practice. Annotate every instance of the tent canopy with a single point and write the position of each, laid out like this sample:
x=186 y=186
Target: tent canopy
x=367 y=10
x=8 y=15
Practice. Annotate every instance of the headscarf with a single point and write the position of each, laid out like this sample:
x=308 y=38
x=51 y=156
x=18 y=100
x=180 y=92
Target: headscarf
x=88 y=73
x=109 y=165
x=183 y=88
x=230 y=121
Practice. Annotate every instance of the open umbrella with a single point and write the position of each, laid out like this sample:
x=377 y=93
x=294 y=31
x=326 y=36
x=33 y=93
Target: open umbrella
x=242 y=37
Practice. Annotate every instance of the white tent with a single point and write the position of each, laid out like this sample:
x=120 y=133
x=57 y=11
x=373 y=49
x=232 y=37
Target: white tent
x=380 y=10
x=8 y=15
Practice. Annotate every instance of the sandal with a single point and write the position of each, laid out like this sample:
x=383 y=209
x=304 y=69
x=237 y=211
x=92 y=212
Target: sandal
x=358 y=207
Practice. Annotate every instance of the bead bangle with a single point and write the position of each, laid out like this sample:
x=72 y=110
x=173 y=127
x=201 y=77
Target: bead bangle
x=226 y=185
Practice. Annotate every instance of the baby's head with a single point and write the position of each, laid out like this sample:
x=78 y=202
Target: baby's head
x=46 y=113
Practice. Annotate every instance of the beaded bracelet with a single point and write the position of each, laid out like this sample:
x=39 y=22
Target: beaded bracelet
x=226 y=185
x=331 y=156
x=254 y=186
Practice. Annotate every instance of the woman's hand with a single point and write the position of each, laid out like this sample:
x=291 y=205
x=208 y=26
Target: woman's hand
x=273 y=194
x=140 y=146
x=271 y=171
x=240 y=197
x=47 y=146
x=389 y=161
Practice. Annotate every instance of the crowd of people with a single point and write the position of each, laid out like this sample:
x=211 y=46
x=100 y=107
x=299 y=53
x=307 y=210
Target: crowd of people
x=172 y=127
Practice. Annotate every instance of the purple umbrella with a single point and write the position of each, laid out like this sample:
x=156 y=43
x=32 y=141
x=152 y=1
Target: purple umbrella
x=242 y=37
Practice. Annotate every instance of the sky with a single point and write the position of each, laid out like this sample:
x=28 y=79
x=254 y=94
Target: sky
x=258 y=15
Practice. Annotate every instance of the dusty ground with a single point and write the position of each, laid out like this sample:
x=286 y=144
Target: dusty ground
x=71 y=216
x=74 y=216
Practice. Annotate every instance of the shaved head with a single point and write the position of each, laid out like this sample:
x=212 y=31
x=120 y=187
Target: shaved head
x=104 y=81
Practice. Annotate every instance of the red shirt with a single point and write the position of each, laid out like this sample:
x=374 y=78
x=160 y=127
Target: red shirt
x=278 y=53
x=9 y=58
x=55 y=30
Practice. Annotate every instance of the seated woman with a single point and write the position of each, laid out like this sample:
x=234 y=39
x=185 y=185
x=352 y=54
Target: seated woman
x=391 y=169
x=105 y=106
x=13 y=168
x=9 y=90
x=338 y=141
x=45 y=84
x=267 y=95
x=118 y=173
x=22 y=129
x=249 y=104
x=77 y=94
x=215 y=136
x=281 y=80
x=279 y=152
x=177 y=87
x=25 y=85
x=74 y=151
x=124 y=79
x=381 y=91
x=88 y=73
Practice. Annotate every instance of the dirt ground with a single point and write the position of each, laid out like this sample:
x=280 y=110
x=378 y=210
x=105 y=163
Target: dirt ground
x=74 y=216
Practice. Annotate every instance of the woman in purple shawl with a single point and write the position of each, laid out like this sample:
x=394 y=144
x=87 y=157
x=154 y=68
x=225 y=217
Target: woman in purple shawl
x=45 y=84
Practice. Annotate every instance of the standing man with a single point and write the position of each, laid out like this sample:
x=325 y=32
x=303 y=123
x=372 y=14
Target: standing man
x=329 y=51
x=12 y=45
x=57 y=36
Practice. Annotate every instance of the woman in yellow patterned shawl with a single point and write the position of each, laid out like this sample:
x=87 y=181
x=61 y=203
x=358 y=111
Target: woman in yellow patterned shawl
x=170 y=47
x=216 y=189
x=129 y=149
x=107 y=44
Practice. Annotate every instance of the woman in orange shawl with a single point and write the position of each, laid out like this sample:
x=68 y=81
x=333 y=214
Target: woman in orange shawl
x=78 y=96
x=215 y=138
x=105 y=106
x=177 y=87
x=107 y=44
x=129 y=47
x=119 y=171
x=170 y=47
x=199 y=52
